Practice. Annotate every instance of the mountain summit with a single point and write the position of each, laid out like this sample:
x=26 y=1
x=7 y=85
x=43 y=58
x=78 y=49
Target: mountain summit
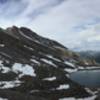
x=36 y=68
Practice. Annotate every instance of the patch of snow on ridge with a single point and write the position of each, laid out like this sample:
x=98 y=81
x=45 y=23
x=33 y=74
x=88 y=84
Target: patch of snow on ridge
x=25 y=70
x=63 y=86
x=9 y=84
x=88 y=98
x=2 y=45
x=48 y=62
x=67 y=98
x=49 y=56
x=3 y=68
x=91 y=92
x=35 y=61
x=69 y=63
x=70 y=70
x=50 y=78
x=3 y=98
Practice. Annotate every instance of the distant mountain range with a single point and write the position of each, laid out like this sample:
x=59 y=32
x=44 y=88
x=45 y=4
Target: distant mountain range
x=91 y=55
x=36 y=68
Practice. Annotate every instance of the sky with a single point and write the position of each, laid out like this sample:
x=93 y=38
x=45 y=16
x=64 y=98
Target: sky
x=74 y=23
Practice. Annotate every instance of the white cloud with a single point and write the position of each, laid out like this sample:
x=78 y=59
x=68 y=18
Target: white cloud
x=89 y=38
x=70 y=22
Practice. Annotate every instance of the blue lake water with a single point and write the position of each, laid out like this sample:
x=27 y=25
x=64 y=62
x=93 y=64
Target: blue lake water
x=88 y=78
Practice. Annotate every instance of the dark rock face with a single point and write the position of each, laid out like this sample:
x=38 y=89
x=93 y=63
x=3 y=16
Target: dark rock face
x=36 y=68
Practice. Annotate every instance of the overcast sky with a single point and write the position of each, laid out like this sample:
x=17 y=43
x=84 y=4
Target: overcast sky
x=74 y=23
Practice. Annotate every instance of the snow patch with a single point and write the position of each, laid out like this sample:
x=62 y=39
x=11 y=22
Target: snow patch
x=9 y=84
x=67 y=99
x=25 y=70
x=70 y=70
x=48 y=62
x=88 y=98
x=3 y=98
x=80 y=67
x=49 y=56
x=35 y=61
x=91 y=92
x=2 y=45
x=64 y=86
x=5 y=69
x=69 y=63
x=50 y=78
x=28 y=47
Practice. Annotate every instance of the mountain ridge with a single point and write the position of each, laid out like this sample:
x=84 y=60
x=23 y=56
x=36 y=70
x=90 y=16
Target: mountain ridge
x=38 y=68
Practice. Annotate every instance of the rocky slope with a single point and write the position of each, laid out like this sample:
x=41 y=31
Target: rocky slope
x=35 y=68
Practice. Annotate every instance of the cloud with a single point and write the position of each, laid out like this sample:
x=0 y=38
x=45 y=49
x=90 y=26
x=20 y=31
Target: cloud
x=20 y=12
x=89 y=38
x=71 y=22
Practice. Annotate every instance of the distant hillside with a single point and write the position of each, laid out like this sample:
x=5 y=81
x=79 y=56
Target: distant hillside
x=91 y=55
